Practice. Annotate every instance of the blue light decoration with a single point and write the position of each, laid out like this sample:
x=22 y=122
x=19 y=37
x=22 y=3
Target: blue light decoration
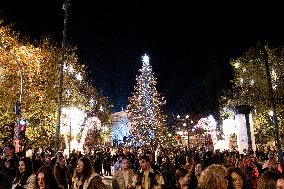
x=120 y=128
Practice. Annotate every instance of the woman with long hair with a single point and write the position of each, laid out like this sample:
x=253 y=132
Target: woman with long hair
x=25 y=179
x=236 y=177
x=45 y=178
x=85 y=177
x=213 y=177
x=61 y=171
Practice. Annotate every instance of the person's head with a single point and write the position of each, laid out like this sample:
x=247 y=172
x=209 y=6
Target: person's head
x=181 y=177
x=48 y=157
x=144 y=163
x=181 y=172
x=271 y=156
x=198 y=169
x=280 y=183
x=126 y=150
x=25 y=166
x=60 y=159
x=45 y=178
x=213 y=177
x=247 y=160
x=272 y=163
x=120 y=158
x=236 y=178
x=149 y=155
x=125 y=165
x=9 y=150
x=267 y=180
x=42 y=156
x=84 y=167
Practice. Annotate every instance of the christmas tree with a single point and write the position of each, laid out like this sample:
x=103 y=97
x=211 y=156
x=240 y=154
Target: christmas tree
x=144 y=108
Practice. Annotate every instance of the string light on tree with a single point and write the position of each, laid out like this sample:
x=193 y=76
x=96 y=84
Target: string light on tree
x=40 y=65
x=145 y=108
x=250 y=87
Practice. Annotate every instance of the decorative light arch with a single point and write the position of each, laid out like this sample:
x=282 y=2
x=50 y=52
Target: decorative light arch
x=209 y=124
x=90 y=122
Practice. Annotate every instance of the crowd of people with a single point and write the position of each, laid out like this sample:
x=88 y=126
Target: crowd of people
x=140 y=168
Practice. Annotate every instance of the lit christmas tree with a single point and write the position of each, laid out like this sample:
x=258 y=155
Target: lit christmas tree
x=144 y=108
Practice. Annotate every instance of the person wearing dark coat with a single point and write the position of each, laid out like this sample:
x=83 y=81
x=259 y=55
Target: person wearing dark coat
x=45 y=178
x=9 y=166
x=61 y=171
x=25 y=178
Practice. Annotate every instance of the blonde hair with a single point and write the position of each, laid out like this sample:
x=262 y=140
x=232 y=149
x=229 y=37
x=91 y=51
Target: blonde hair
x=211 y=177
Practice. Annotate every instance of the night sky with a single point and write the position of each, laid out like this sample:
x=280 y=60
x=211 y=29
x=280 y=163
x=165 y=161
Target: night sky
x=189 y=45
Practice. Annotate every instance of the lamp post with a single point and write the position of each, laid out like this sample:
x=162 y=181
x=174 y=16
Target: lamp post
x=187 y=123
x=17 y=145
x=60 y=90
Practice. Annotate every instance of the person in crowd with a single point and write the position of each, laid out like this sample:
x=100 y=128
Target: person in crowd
x=85 y=177
x=271 y=164
x=268 y=180
x=150 y=156
x=45 y=178
x=251 y=172
x=193 y=181
x=147 y=177
x=61 y=171
x=48 y=159
x=41 y=161
x=9 y=166
x=184 y=174
x=189 y=162
x=126 y=153
x=117 y=164
x=208 y=158
x=168 y=171
x=158 y=155
x=97 y=162
x=280 y=182
x=182 y=178
x=107 y=162
x=236 y=178
x=25 y=178
x=72 y=164
x=123 y=177
x=213 y=177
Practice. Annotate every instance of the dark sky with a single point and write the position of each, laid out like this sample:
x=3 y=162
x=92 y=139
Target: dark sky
x=189 y=44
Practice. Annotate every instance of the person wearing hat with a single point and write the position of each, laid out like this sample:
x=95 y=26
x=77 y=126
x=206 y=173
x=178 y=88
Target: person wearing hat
x=146 y=177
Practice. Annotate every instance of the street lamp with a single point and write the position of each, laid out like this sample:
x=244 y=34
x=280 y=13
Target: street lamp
x=188 y=124
x=60 y=90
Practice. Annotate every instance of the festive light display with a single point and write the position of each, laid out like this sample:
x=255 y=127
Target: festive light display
x=40 y=67
x=121 y=126
x=209 y=125
x=90 y=123
x=72 y=120
x=144 y=108
x=250 y=88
